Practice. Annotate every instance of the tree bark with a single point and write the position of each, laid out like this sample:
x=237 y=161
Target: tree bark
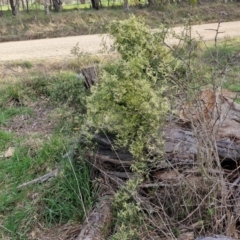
x=23 y=5
x=27 y=5
x=151 y=2
x=125 y=5
x=95 y=4
x=182 y=144
x=14 y=6
x=46 y=7
x=57 y=4
x=90 y=76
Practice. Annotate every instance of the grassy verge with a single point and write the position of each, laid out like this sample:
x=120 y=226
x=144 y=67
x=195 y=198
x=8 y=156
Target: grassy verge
x=39 y=118
x=71 y=22
x=224 y=61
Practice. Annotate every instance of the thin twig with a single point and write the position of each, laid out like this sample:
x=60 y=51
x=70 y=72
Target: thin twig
x=41 y=179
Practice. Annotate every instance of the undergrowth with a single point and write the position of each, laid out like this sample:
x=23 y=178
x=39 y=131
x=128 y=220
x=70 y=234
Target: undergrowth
x=124 y=104
x=38 y=147
x=43 y=113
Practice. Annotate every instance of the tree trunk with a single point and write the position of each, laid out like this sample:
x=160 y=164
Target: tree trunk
x=23 y=5
x=125 y=5
x=57 y=4
x=14 y=7
x=95 y=4
x=46 y=7
x=50 y=5
x=90 y=76
x=151 y=2
x=182 y=144
x=27 y=5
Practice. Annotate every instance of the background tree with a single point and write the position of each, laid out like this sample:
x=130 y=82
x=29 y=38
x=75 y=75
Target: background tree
x=57 y=4
x=14 y=6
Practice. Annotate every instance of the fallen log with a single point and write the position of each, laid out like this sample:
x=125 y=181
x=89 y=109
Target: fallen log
x=215 y=238
x=182 y=144
x=97 y=223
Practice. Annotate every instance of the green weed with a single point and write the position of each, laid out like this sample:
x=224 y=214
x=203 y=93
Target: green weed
x=69 y=89
x=12 y=95
x=8 y=113
x=5 y=139
x=226 y=52
x=238 y=100
x=234 y=87
x=70 y=195
x=23 y=64
x=66 y=197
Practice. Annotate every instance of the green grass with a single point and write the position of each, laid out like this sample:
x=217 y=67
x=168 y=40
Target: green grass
x=58 y=201
x=5 y=139
x=23 y=64
x=222 y=61
x=64 y=198
x=8 y=113
x=234 y=87
x=226 y=52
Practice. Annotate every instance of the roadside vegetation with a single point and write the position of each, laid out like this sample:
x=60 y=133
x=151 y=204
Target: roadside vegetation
x=35 y=24
x=45 y=107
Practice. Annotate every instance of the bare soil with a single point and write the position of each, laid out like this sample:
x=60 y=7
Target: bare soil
x=61 y=47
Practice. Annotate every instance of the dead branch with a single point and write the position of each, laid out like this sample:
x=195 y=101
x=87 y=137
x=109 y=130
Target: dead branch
x=97 y=224
x=41 y=179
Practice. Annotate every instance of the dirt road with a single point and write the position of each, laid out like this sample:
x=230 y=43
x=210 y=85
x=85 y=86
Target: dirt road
x=61 y=47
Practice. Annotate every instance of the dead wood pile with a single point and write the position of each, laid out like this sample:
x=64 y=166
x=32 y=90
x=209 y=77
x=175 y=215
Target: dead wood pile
x=207 y=129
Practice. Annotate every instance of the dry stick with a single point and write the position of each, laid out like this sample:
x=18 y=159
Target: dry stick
x=224 y=191
x=119 y=182
x=104 y=158
x=47 y=176
x=41 y=179
x=6 y=229
x=126 y=175
x=98 y=221
x=189 y=215
x=150 y=185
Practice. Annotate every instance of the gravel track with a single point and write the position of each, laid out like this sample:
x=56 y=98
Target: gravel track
x=61 y=47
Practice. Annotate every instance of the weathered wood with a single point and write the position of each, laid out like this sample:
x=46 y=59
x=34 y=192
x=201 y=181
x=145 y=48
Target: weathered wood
x=216 y=237
x=214 y=113
x=125 y=175
x=90 y=76
x=183 y=140
x=57 y=4
x=183 y=144
x=97 y=224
